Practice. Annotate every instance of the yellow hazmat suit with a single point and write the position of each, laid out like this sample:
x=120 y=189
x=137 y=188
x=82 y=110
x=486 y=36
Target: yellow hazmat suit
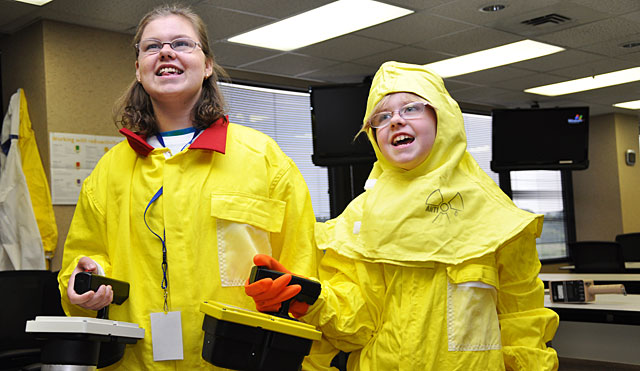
x=37 y=182
x=433 y=268
x=233 y=193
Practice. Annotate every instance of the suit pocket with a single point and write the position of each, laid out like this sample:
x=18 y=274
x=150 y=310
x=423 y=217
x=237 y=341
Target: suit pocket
x=243 y=227
x=472 y=316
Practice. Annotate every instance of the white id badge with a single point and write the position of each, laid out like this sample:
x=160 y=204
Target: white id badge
x=166 y=336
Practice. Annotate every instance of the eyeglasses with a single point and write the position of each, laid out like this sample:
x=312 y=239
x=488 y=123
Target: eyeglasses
x=408 y=112
x=153 y=46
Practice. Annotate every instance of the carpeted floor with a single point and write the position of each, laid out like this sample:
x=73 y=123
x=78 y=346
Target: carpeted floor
x=569 y=364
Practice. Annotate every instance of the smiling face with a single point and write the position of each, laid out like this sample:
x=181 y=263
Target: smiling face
x=171 y=76
x=406 y=143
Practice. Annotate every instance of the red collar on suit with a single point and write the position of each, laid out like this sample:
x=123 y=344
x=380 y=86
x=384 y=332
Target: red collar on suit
x=213 y=138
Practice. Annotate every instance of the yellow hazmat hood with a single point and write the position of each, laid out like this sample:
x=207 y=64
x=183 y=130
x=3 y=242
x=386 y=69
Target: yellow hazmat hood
x=451 y=141
x=446 y=209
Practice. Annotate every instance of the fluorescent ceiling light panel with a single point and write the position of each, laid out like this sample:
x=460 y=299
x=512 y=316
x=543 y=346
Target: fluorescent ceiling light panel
x=634 y=104
x=588 y=83
x=323 y=23
x=34 y=2
x=494 y=57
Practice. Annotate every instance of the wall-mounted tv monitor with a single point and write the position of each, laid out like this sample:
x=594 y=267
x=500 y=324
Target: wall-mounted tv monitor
x=336 y=117
x=540 y=139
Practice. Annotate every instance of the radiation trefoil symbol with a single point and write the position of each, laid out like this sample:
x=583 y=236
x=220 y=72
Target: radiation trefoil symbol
x=437 y=205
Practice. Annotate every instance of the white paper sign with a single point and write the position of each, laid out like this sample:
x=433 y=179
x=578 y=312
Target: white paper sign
x=73 y=157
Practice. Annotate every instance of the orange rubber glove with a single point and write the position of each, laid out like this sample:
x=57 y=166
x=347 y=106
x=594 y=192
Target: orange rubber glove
x=298 y=308
x=269 y=294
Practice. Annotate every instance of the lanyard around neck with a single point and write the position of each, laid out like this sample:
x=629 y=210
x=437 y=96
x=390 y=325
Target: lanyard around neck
x=160 y=138
x=165 y=265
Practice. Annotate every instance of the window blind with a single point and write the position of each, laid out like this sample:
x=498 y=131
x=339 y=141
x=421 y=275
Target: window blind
x=478 y=129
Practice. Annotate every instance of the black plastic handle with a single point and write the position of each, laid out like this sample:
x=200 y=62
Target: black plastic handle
x=86 y=281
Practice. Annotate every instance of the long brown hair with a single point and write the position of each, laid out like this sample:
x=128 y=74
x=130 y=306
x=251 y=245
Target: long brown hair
x=134 y=110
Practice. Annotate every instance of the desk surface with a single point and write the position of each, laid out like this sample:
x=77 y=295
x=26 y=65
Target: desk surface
x=615 y=277
x=612 y=309
x=603 y=302
x=628 y=265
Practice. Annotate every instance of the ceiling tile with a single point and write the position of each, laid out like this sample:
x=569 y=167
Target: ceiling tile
x=477 y=95
x=469 y=10
x=632 y=16
x=555 y=61
x=234 y=55
x=15 y=15
x=518 y=100
x=277 y=9
x=554 y=17
x=524 y=82
x=413 y=28
x=18 y=24
x=493 y=74
x=405 y=54
x=633 y=57
x=223 y=23
x=117 y=11
x=469 y=41
x=93 y=23
x=347 y=48
x=341 y=73
x=611 y=94
x=617 y=7
x=613 y=47
x=593 y=68
x=452 y=85
x=418 y=4
x=596 y=109
x=563 y=101
x=592 y=33
x=288 y=64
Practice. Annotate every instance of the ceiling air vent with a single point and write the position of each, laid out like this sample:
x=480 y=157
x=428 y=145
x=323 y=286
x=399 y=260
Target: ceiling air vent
x=549 y=18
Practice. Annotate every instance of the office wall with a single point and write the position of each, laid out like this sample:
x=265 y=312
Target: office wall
x=627 y=129
x=86 y=71
x=605 y=195
x=23 y=66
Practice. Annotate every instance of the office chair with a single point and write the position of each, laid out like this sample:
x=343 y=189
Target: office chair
x=25 y=294
x=630 y=246
x=597 y=257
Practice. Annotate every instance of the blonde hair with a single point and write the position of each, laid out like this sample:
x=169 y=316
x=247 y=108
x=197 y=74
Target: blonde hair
x=134 y=110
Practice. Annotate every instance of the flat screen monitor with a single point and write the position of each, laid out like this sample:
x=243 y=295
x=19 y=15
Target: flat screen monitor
x=540 y=139
x=336 y=117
